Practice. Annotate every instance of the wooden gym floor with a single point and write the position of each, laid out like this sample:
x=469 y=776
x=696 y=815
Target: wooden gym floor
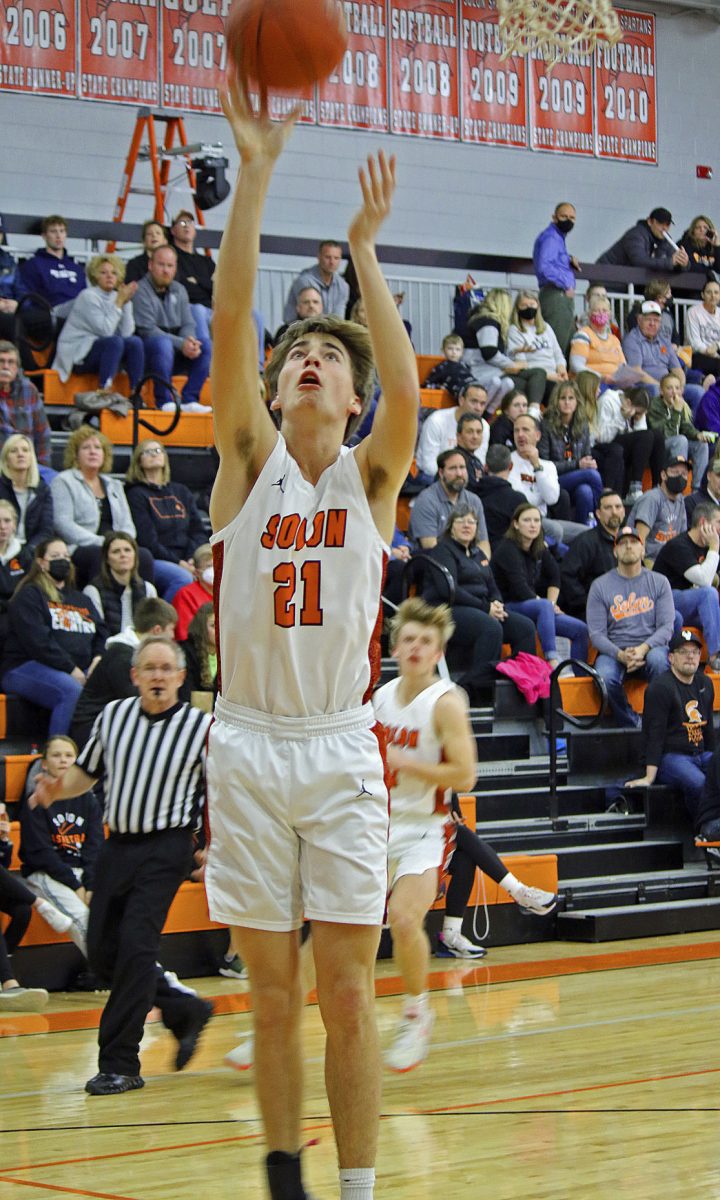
x=556 y=1071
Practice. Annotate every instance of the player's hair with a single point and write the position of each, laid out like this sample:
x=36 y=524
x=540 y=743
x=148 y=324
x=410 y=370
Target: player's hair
x=92 y=270
x=53 y=219
x=152 y=611
x=703 y=512
x=435 y=616
x=156 y=639
x=354 y=338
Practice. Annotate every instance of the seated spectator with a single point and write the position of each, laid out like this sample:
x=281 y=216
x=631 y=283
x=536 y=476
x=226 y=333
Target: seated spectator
x=165 y=323
x=513 y=405
x=194 y=271
x=189 y=599
x=709 y=491
x=645 y=348
x=440 y=430
x=55 y=636
x=153 y=235
x=701 y=243
x=111 y=678
x=623 y=446
x=565 y=441
x=165 y=515
x=707 y=414
x=399 y=556
x=9 y=275
x=537 y=479
x=690 y=563
x=670 y=414
x=21 y=407
x=532 y=340
x=30 y=496
x=98 y=336
x=702 y=330
x=59 y=845
x=595 y=347
x=452 y=373
x=678 y=726
x=630 y=617
x=201 y=652
x=499 y=499
x=490 y=364
x=51 y=272
x=707 y=815
x=324 y=276
x=117 y=589
x=591 y=555
x=308 y=304
x=472 y=440
x=15 y=561
x=430 y=512
x=659 y=514
x=89 y=503
x=482 y=623
x=644 y=245
x=660 y=291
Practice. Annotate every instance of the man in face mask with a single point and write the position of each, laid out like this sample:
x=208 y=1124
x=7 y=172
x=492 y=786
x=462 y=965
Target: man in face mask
x=659 y=514
x=555 y=269
x=189 y=599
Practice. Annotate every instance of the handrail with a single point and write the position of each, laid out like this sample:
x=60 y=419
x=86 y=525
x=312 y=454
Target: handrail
x=556 y=710
x=416 y=565
x=136 y=401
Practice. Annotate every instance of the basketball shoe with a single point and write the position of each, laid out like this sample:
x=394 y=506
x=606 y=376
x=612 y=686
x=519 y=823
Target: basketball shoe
x=242 y=1057
x=412 y=1040
x=453 y=944
x=534 y=900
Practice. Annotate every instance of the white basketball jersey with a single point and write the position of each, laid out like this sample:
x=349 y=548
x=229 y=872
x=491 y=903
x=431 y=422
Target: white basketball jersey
x=298 y=581
x=410 y=727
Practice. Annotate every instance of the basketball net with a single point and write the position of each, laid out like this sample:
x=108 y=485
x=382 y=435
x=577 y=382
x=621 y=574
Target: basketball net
x=555 y=27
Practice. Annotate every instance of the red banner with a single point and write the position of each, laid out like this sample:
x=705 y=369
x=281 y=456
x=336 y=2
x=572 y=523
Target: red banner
x=424 y=68
x=37 y=47
x=193 y=54
x=494 y=92
x=356 y=96
x=625 y=92
x=118 y=52
x=561 y=110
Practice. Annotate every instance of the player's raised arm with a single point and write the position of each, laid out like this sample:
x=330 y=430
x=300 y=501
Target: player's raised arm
x=244 y=432
x=389 y=448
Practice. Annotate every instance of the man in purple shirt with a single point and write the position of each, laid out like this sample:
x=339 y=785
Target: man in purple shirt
x=555 y=269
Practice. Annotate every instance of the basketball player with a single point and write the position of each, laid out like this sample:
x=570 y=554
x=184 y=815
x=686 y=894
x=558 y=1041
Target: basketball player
x=297 y=802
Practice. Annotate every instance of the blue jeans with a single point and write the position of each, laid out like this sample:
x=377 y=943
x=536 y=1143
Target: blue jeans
x=169 y=578
x=687 y=773
x=47 y=688
x=701 y=606
x=693 y=393
x=613 y=672
x=549 y=624
x=584 y=487
x=203 y=317
x=106 y=355
x=163 y=360
x=697 y=452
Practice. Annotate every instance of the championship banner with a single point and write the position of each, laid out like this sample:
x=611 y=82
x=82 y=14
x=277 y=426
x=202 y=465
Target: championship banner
x=37 y=47
x=119 y=51
x=424 y=68
x=193 y=54
x=561 y=109
x=356 y=95
x=625 y=92
x=494 y=92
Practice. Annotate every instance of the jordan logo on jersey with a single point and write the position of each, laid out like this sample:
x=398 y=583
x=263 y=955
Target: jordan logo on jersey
x=280 y=483
x=363 y=791
x=291 y=531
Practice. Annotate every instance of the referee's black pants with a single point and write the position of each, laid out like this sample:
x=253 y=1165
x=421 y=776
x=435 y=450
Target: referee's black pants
x=136 y=879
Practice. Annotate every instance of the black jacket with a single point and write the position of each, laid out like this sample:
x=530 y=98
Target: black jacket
x=39 y=517
x=62 y=636
x=590 y=555
x=499 y=501
x=167 y=521
x=520 y=576
x=501 y=432
x=475 y=585
x=193 y=678
x=565 y=451
x=195 y=272
x=638 y=247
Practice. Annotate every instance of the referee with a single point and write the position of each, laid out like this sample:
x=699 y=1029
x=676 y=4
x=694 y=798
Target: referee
x=149 y=752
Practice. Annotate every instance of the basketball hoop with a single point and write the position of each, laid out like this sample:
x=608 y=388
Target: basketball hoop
x=556 y=27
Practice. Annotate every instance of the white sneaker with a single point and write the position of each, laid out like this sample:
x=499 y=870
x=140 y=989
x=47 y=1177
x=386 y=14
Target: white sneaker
x=22 y=999
x=455 y=945
x=534 y=900
x=412 y=1041
x=168 y=406
x=194 y=406
x=173 y=981
x=57 y=920
x=243 y=1056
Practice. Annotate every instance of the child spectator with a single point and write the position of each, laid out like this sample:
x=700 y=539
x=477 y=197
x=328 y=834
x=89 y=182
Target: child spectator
x=200 y=651
x=452 y=373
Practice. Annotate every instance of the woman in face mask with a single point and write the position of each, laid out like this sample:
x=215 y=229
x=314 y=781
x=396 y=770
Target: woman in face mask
x=595 y=347
x=532 y=340
x=55 y=636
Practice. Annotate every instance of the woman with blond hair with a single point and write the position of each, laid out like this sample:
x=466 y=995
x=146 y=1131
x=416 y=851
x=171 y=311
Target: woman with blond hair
x=98 y=336
x=490 y=364
x=21 y=484
x=166 y=516
x=534 y=342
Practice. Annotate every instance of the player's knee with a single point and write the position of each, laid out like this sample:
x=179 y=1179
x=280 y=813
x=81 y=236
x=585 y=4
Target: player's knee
x=405 y=925
x=347 y=1004
x=275 y=1006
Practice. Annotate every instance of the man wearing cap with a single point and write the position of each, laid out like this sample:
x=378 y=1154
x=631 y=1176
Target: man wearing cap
x=652 y=351
x=630 y=618
x=690 y=563
x=659 y=514
x=644 y=245
x=678 y=725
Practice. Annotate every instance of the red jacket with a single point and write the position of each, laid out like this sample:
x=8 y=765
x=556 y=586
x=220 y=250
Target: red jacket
x=187 y=601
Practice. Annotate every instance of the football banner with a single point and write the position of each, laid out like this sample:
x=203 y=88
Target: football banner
x=625 y=93
x=561 y=104
x=494 y=90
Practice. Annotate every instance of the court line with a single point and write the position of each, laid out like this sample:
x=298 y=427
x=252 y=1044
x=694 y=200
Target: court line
x=56 y=1187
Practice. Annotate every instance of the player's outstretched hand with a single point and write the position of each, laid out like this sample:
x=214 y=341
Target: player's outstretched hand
x=377 y=185
x=46 y=791
x=258 y=139
x=198 y=874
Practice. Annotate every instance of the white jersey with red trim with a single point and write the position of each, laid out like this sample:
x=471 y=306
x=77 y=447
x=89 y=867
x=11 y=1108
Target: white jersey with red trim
x=411 y=728
x=298 y=580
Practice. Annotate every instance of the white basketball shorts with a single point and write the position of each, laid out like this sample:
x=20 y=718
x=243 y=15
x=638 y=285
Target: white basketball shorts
x=415 y=848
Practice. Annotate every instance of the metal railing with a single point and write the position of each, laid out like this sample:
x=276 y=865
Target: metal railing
x=557 y=711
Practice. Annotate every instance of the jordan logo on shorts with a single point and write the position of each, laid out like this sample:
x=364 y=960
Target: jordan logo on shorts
x=363 y=791
x=280 y=483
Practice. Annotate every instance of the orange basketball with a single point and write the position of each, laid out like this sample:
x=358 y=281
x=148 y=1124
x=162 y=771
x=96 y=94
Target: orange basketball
x=285 y=44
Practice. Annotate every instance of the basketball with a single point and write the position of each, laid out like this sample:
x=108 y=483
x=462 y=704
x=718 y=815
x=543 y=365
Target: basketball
x=285 y=45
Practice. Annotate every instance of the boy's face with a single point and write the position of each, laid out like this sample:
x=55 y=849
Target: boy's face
x=454 y=351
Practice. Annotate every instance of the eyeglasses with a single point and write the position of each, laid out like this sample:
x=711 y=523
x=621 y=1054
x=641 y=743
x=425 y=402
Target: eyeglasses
x=164 y=670
x=185 y=224
x=153 y=450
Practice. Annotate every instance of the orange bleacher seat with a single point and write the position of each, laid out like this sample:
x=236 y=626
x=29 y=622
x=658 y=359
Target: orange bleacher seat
x=425 y=364
x=436 y=398
x=193 y=429
x=56 y=392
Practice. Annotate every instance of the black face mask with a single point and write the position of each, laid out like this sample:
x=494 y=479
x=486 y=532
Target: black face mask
x=565 y=226
x=676 y=484
x=527 y=314
x=59 y=569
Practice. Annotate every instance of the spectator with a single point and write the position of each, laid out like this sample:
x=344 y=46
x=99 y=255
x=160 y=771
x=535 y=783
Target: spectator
x=537 y=479
x=21 y=408
x=659 y=514
x=433 y=506
x=153 y=235
x=308 y=304
x=9 y=276
x=165 y=323
x=118 y=588
x=670 y=414
x=472 y=439
x=591 y=555
x=55 y=636
x=452 y=373
x=709 y=492
x=30 y=496
x=15 y=561
x=645 y=348
x=499 y=498
x=702 y=330
x=188 y=599
x=98 y=336
x=660 y=291
x=529 y=580
x=59 y=845
x=707 y=816
x=595 y=347
x=690 y=563
x=440 y=430
x=644 y=245
x=701 y=244
x=491 y=366
x=324 y=276
x=622 y=444
x=678 y=726
x=707 y=415
x=554 y=269
x=165 y=515
x=530 y=339
x=201 y=652
x=512 y=405
x=51 y=272
x=630 y=616
x=194 y=271
x=565 y=441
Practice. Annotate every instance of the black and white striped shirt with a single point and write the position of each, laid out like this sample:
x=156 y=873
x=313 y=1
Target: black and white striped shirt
x=153 y=767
